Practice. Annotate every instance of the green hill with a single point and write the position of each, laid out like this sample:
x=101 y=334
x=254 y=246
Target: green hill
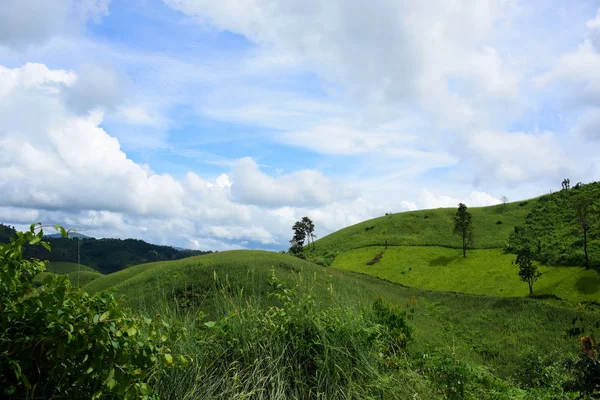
x=421 y=248
x=488 y=334
x=65 y=267
x=492 y=226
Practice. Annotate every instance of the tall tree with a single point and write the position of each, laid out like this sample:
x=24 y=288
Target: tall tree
x=309 y=229
x=504 y=201
x=298 y=239
x=583 y=210
x=463 y=225
x=527 y=271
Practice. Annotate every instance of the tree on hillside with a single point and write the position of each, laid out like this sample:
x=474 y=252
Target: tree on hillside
x=583 y=210
x=463 y=225
x=297 y=242
x=309 y=229
x=504 y=200
x=527 y=271
x=566 y=184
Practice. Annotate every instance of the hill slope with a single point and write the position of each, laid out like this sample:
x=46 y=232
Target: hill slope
x=498 y=333
x=421 y=247
x=492 y=226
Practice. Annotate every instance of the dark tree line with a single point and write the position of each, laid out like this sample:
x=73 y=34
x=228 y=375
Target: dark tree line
x=104 y=255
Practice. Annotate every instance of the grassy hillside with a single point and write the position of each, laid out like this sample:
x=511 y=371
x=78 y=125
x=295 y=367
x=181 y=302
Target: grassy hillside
x=487 y=272
x=492 y=226
x=494 y=332
x=65 y=267
x=552 y=227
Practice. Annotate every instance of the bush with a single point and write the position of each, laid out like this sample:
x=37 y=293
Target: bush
x=586 y=369
x=60 y=342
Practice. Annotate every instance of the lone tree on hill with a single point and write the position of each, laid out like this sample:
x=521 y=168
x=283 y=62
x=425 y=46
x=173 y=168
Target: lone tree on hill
x=566 y=184
x=527 y=271
x=309 y=229
x=463 y=225
x=504 y=200
x=583 y=210
x=297 y=242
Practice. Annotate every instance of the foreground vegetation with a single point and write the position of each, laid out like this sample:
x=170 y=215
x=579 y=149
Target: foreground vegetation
x=458 y=346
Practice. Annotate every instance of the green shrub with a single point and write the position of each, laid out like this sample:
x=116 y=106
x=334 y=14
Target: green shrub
x=60 y=342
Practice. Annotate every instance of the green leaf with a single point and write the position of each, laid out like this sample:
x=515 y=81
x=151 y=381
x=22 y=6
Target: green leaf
x=131 y=331
x=35 y=241
x=210 y=324
x=104 y=316
x=168 y=359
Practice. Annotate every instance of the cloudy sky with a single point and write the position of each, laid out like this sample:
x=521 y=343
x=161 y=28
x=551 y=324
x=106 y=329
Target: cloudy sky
x=216 y=124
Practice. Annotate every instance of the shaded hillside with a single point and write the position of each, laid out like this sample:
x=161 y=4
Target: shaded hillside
x=103 y=255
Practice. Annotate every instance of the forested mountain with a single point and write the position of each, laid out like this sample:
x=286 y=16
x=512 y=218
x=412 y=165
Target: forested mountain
x=104 y=255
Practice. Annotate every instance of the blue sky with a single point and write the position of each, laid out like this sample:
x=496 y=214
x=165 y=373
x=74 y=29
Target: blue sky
x=216 y=125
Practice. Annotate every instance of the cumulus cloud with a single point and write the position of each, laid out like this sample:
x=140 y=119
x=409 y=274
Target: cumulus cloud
x=516 y=157
x=300 y=188
x=63 y=167
x=588 y=124
x=97 y=86
x=32 y=22
x=383 y=53
x=475 y=199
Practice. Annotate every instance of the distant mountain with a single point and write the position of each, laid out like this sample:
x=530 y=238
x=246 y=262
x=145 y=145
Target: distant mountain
x=104 y=255
x=72 y=235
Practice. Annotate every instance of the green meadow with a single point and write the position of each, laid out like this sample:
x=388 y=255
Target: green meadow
x=489 y=272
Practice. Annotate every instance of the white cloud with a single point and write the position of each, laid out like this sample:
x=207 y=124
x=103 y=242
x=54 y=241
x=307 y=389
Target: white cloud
x=588 y=124
x=97 y=86
x=383 y=53
x=300 y=188
x=516 y=157
x=474 y=199
x=32 y=22
x=594 y=24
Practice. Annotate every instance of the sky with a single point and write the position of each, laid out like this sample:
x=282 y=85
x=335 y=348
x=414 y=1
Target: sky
x=216 y=125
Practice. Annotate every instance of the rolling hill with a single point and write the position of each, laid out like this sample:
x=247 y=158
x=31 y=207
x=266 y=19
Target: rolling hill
x=421 y=248
x=497 y=334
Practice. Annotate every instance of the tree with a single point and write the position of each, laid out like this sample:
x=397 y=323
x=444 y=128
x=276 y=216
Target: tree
x=527 y=271
x=504 y=201
x=309 y=229
x=583 y=210
x=463 y=225
x=297 y=242
x=566 y=184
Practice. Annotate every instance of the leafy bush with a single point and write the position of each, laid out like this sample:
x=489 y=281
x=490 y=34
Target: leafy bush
x=586 y=369
x=60 y=342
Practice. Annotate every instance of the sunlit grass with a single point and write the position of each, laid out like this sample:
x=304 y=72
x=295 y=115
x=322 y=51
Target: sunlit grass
x=487 y=272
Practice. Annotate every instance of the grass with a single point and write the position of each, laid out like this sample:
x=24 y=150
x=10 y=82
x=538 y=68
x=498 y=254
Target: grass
x=494 y=333
x=492 y=226
x=486 y=272
x=65 y=267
